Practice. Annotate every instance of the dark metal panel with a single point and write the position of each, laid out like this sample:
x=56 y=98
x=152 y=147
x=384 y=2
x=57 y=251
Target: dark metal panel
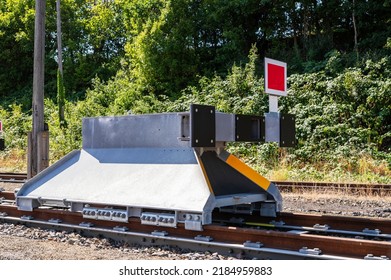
x=249 y=128
x=2 y=145
x=262 y=128
x=202 y=126
x=224 y=179
x=287 y=130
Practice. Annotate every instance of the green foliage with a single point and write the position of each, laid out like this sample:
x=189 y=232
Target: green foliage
x=342 y=119
x=239 y=92
x=150 y=56
x=16 y=45
x=15 y=126
x=164 y=46
x=93 y=39
x=174 y=41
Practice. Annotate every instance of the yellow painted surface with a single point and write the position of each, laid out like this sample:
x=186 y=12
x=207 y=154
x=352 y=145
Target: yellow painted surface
x=261 y=225
x=248 y=172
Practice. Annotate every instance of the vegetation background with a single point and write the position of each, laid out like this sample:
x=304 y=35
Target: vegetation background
x=144 y=56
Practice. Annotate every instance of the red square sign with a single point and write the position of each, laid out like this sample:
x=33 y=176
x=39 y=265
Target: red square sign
x=275 y=77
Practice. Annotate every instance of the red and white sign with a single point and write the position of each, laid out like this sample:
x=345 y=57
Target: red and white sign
x=1 y=126
x=275 y=77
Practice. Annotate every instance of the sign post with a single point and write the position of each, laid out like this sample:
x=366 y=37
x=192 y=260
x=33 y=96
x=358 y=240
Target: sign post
x=275 y=81
x=279 y=127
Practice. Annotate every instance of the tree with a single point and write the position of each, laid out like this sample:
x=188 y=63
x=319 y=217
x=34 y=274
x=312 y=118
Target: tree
x=174 y=41
x=16 y=46
x=60 y=76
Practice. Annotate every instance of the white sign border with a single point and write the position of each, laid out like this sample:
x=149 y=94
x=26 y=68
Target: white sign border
x=274 y=91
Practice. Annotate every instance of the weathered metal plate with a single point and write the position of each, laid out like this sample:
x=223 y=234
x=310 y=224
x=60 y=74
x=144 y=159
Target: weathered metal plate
x=133 y=131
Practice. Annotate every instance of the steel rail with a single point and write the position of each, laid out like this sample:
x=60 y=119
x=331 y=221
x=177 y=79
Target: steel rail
x=358 y=226
x=7 y=195
x=316 y=221
x=13 y=177
x=363 y=225
x=243 y=237
x=361 y=188
x=315 y=229
x=161 y=238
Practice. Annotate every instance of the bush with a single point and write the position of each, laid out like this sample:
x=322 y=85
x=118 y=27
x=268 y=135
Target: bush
x=343 y=117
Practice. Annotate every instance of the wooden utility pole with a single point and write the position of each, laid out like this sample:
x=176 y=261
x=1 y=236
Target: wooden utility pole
x=59 y=41
x=355 y=30
x=60 y=74
x=38 y=140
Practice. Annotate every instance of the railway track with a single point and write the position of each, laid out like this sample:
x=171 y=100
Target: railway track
x=13 y=177
x=354 y=188
x=289 y=236
x=285 y=186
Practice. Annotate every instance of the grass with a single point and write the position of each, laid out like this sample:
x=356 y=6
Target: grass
x=313 y=173
x=13 y=161
x=364 y=170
